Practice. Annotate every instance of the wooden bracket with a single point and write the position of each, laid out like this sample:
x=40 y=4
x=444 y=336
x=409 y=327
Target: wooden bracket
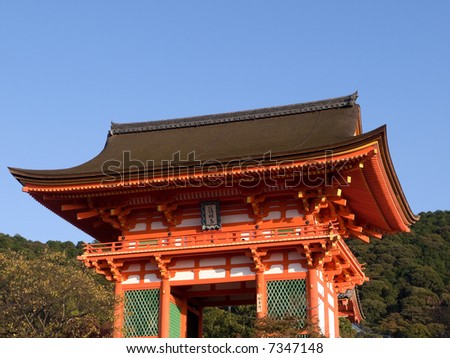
x=308 y=254
x=98 y=269
x=115 y=272
x=117 y=217
x=162 y=266
x=257 y=259
x=109 y=269
x=169 y=213
x=113 y=213
x=259 y=210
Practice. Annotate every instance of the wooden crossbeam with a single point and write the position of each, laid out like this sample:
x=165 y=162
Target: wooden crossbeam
x=213 y=293
x=87 y=214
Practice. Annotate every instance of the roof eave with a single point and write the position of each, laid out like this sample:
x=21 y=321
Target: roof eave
x=36 y=178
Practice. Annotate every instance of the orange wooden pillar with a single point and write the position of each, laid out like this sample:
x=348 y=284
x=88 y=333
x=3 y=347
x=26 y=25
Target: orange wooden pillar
x=118 y=311
x=313 y=297
x=261 y=295
x=164 y=307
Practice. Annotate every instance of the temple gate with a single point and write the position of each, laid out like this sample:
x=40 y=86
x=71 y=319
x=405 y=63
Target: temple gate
x=250 y=207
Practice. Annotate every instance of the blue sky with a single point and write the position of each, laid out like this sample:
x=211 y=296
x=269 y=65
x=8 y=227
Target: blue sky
x=69 y=68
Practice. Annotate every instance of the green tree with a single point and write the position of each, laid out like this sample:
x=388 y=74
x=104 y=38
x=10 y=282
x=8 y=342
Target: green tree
x=286 y=327
x=345 y=328
x=409 y=288
x=52 y=295
x=229 y=322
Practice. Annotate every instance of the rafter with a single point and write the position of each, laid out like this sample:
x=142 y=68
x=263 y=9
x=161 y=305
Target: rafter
x=70 y=207
x=87 y=214
x=372 y=233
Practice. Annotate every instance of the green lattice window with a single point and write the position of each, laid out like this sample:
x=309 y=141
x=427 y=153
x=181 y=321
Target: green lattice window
x=141 y=313
x=175 y=321
x=286 y=298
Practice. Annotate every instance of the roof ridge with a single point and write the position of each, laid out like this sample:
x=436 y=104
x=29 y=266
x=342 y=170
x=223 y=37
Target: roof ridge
x=239 y=116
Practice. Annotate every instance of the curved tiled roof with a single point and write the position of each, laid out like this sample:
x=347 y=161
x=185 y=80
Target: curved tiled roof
x=301 y=133
x=220 y=137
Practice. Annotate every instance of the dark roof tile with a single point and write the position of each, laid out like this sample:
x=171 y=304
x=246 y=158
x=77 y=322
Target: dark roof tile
x=279 y=111
x=223 y=137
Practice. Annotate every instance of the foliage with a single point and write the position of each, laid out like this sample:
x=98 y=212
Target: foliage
x=241 y=322
x=32 y=249
x=287 y=327
x=345 y=328
x=409 y=288
x=47 y=293
x=229 y=322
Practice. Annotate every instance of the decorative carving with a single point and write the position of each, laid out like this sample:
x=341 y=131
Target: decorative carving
x=169 y=213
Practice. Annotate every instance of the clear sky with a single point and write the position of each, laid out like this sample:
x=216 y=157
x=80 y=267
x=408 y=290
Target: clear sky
x=69 y=68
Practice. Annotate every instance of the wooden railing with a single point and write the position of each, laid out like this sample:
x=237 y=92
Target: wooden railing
x=211 y=238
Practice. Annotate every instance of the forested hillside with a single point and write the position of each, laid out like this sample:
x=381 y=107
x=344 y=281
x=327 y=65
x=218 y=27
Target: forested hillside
x=408 y=294
x=45 y=292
